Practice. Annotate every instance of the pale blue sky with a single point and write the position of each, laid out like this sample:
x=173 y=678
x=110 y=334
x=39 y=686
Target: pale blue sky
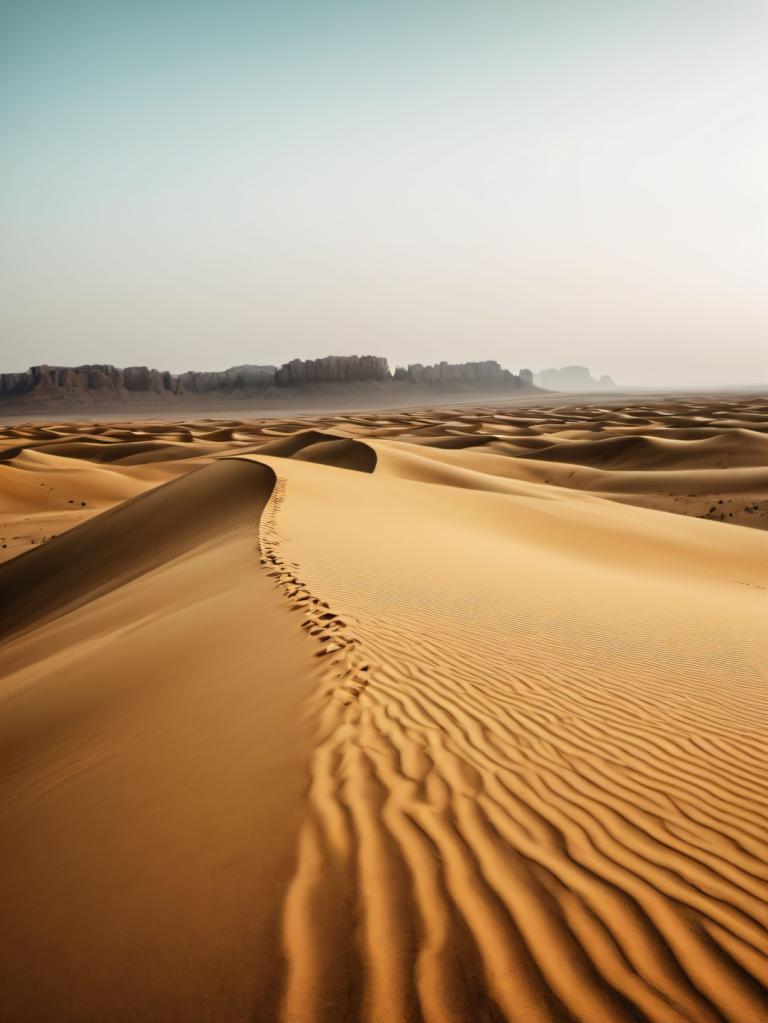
x=195 y=185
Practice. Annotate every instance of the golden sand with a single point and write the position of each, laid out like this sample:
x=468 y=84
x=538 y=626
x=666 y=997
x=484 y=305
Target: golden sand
x=449 y=716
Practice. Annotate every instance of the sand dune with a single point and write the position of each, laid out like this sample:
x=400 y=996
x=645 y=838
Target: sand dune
x=153 y=746
x=737 y=449
x=439 y=716
x=521 y=785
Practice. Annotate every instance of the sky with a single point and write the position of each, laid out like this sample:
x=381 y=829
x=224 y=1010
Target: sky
x=194 y=185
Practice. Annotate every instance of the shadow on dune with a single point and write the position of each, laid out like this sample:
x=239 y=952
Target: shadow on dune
x=287 y=447
x=459 y=443
x=343 y=454
x=130 y=540
x=323 y=448
x=732 y=449
x=146 y=531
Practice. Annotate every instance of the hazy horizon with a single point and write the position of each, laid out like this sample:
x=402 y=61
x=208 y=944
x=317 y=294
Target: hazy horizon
x=621 y=384
x=196 y=186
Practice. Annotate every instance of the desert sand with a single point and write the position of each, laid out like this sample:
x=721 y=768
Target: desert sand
x=442 y=715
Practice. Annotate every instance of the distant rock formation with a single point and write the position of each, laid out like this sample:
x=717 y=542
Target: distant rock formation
x=333 y=369
x=237 y=378
x=141 y=378
x=80 y=384
x=97 y=381
x=571 y=378
x=90 y=380
x=487 y=375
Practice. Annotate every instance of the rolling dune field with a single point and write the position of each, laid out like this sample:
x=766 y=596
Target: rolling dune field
x=452 y=715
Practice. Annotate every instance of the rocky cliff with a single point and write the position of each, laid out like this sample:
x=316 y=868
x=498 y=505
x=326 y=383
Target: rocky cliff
x=95 y=382
x=238 y=378
x=486 y=376
x=446 y=376
x=82 y=384
x=92 y=380
x=333 y=369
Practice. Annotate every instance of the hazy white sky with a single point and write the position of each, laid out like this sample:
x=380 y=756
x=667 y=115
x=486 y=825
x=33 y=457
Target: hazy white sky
x=196 y=185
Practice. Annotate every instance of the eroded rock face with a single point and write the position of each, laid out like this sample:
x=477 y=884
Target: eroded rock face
x=141 y=378
x=92 y=382
x=16 y=383
x=52 y=379
x=85 y=381
x=237 y=378
x=333 y=369
x=488 y=375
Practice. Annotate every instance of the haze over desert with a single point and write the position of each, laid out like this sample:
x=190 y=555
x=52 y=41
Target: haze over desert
x=432 y=715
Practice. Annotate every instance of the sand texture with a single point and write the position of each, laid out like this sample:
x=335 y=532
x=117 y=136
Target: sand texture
x=442 y=716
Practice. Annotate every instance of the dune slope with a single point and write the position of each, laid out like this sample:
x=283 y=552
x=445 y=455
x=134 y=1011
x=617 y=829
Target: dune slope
x=153 y=757
x=538 y=791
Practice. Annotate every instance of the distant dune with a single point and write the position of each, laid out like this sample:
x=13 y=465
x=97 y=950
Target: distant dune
x=447 y=715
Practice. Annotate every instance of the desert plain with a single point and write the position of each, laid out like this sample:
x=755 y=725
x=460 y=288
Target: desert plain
x=451 y=715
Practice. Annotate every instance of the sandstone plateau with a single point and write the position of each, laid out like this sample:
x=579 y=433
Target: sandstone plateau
x=355 y=374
